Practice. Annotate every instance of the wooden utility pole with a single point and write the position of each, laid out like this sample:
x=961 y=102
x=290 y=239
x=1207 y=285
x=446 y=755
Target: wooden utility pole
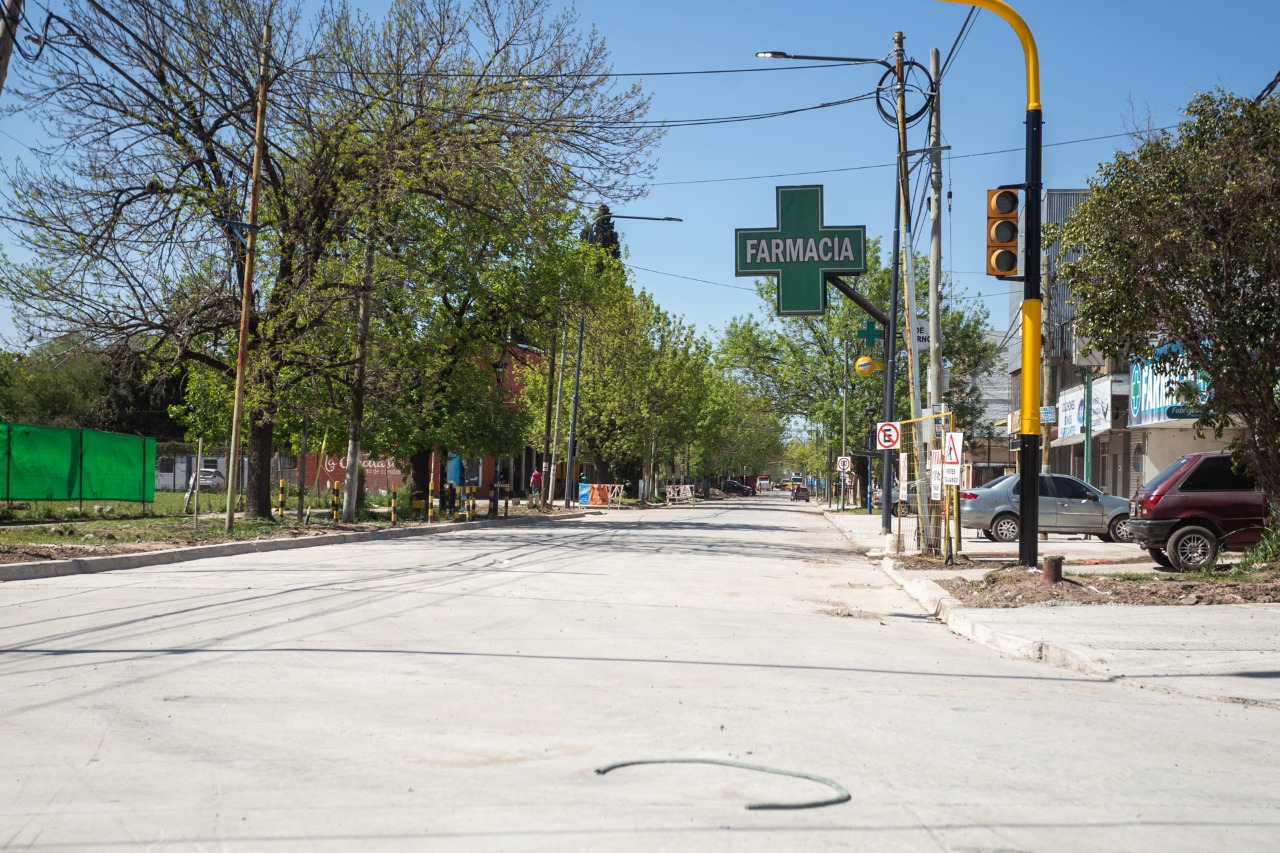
x=9 y=35
x=246 y=296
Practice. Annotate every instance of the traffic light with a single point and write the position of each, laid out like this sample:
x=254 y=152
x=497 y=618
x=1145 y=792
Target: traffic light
x=1002 y=232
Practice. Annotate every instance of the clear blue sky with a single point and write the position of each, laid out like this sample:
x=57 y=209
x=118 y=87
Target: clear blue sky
x=1104 y=66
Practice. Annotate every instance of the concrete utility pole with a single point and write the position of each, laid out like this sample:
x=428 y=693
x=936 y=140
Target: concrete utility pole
x=546 y=430
x=9 y=36
x=555 y=434
x=246 y=296
x=935 y=237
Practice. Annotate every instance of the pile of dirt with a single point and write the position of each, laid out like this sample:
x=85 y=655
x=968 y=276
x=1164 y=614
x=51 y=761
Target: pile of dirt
x=42 y=553
x=1018 y=587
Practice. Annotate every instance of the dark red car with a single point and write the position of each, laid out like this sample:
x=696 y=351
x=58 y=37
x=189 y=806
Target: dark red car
x=1196 y=507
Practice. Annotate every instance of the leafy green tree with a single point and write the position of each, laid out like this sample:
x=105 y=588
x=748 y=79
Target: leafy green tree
x=738 y=432
x=153 y=100
x=797 y=363
x=56 y=384
x=1179 y=264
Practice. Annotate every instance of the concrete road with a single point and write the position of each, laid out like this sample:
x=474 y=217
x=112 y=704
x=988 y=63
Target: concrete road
x=458 y=692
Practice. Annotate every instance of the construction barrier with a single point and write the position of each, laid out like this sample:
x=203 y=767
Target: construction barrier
x=53 y=464
x=680 y=496
x=926 y=506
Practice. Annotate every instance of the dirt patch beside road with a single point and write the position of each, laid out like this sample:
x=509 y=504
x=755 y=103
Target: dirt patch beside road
x=1017 y=587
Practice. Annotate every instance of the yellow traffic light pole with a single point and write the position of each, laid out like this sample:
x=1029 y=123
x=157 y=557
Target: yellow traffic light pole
x=1029 y=437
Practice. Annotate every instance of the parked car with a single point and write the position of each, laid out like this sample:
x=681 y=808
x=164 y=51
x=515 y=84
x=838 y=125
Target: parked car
x=902 y=508
x=1066 y=505
x=733 y=487
x=800 y=493
x=1195 y=508
x=212 y=478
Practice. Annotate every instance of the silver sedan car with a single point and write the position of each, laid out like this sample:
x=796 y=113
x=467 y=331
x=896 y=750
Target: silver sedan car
x=1067 y=505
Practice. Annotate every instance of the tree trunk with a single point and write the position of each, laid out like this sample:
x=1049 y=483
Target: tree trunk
x=419 y=474
x=350 y=497
x=261 y=449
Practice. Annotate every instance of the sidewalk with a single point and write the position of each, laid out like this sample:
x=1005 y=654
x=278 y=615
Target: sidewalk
x=1229 y=653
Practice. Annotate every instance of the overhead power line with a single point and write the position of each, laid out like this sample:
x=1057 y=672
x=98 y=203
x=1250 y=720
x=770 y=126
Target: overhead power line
x=888 y=165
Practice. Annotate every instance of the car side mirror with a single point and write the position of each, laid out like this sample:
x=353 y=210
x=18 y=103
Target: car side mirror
x=1093 y=496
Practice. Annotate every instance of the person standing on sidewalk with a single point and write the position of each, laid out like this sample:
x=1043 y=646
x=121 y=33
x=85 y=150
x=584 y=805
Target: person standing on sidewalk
x=535 y=488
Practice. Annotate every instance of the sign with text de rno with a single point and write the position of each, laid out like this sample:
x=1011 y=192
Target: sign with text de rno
x=801 y=251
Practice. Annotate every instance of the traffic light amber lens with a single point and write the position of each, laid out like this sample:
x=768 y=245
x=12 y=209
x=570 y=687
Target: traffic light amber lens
x=1003 y=203
x=1004 y=231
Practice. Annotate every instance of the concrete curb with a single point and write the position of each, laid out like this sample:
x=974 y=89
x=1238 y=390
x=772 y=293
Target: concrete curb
x=960 y=620
x=142 y=559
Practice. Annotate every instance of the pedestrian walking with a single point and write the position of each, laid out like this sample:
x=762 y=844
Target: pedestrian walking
x=535 y=488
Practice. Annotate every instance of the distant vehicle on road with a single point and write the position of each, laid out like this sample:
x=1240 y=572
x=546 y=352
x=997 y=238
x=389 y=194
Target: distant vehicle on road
x=800 y=493
x=1066 y=505
x=1195 y=508
x=902 y=508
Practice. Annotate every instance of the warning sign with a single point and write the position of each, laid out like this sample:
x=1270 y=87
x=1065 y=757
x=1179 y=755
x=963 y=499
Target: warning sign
x=888 y=435
x=952 y=458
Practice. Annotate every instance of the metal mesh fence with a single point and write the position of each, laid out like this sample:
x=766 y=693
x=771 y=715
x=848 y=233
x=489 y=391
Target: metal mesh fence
x=54 y=464
x=926 y=507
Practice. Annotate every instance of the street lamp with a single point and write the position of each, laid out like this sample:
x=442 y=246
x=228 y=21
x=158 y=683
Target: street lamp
x=1029 y=435
x=572 y=451
x=902 y=212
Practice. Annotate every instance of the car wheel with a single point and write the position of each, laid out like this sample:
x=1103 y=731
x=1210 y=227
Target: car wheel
x=1160 y=557
x=902 y=509
x=1119 y=530
x=1192 y=548
x=1005 y=528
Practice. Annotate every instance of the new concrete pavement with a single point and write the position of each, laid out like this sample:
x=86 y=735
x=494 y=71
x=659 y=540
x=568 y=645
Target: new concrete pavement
x=1220 y=652
x=1226 y=652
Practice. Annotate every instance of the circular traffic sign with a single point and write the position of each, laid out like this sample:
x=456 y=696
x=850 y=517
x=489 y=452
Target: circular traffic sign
x=843 y=463
x=888 y=435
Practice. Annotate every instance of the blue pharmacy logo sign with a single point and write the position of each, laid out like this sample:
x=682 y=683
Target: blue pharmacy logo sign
x=1156 y=394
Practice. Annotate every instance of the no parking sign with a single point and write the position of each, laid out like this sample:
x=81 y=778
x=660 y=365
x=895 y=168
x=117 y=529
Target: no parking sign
x=888 y=435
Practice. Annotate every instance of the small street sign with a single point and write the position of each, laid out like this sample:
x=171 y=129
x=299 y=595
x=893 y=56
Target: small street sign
x=922 y=333
x=1048 y=414
x=843 y=463
x=952 y=458
x=800 y=251
x=888 y=435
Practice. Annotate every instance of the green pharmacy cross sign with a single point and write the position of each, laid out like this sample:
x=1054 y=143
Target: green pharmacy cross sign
x=870 y=333
x=801 y=252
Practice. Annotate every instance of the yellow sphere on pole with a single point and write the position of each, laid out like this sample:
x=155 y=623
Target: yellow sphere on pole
x=865 y=366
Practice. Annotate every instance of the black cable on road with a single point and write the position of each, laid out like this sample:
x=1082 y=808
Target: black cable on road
x=843 y=797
